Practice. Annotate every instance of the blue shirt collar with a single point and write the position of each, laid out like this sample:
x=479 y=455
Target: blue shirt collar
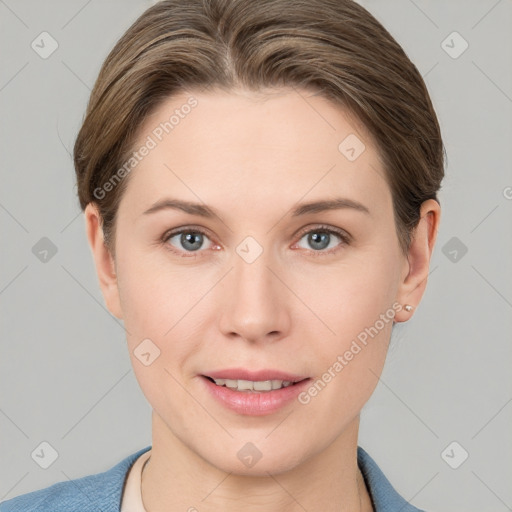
x=384 y=496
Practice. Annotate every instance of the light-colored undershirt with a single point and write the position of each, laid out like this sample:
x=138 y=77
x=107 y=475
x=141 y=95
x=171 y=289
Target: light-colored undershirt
x=132 y=498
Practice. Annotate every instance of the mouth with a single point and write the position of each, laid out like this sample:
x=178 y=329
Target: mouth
x=254 y=397
x=255 y=386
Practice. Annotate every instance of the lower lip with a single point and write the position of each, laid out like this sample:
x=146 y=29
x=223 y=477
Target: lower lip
x=257 y=403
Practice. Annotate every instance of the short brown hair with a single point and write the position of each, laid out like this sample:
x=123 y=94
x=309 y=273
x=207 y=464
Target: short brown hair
x=334 y=47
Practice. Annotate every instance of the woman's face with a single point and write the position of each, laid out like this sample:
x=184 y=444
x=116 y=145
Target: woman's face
x=262 y=282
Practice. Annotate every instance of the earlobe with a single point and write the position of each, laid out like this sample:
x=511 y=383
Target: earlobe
x=416 y=268
x=104 y=262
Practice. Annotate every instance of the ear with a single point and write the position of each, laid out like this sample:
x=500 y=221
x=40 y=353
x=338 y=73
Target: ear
x=416 y=268
x=105 y=264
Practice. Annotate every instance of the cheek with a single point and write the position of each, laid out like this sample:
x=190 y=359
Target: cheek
x=163 y=302
x=350 y=342
x=149 y=293
x=351 y=294
x=353 y=317
x=158 y=315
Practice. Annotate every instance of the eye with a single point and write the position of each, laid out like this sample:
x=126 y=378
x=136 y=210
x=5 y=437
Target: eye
x=321 y=238
x=186 y=241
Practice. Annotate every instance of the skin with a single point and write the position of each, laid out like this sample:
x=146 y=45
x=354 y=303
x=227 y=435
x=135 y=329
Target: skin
x=254 y=157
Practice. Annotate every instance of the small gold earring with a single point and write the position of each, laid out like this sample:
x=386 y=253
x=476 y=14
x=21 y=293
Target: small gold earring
x=408 y=308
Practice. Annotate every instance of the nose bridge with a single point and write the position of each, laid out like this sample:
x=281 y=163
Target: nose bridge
x=255 y=305
x=253 y=278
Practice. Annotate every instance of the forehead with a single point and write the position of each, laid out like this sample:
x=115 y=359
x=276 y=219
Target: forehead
x=246 y=146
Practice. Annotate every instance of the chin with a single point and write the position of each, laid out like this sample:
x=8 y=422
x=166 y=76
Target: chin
x=251 y=459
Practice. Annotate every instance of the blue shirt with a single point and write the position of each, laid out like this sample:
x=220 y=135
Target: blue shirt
x=102 y=492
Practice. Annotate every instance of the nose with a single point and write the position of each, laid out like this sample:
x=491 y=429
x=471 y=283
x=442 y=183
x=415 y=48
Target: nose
x=255 y=302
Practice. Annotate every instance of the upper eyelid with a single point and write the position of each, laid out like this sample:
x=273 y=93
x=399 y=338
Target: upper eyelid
x=337 y=231
x=192 y=229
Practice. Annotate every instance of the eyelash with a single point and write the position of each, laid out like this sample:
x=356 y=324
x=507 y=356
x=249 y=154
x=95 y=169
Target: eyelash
x=345 y=240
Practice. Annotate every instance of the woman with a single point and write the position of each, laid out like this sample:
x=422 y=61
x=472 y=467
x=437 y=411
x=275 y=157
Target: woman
x=259 y=182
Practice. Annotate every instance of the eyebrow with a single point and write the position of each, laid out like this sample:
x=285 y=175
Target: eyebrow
x=303 y=209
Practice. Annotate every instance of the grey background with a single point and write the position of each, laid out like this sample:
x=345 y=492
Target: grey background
x=65 y=373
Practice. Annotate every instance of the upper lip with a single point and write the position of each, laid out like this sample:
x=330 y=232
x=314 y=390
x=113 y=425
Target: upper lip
x=254 y=375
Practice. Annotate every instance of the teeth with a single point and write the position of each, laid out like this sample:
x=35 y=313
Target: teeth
x=249 y=385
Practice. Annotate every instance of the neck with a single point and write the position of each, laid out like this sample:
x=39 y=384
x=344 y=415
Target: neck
x=177 y=478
